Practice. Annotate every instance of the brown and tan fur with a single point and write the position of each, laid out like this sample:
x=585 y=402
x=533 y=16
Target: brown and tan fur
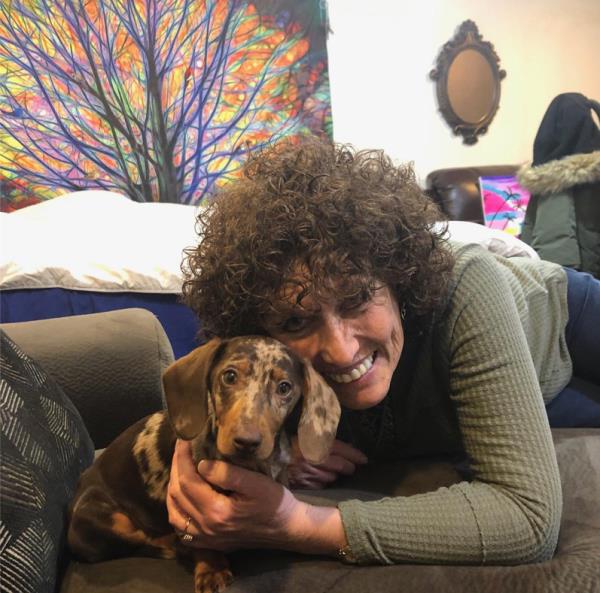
x=119 y=508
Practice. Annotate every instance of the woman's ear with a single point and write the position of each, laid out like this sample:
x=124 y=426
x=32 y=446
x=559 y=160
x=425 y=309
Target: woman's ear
x=320 y=416
x=186 y=385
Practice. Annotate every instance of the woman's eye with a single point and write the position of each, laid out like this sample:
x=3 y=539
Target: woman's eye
x=356 y=303
x=229 y=377
x=284 y=388
x=294 y=324
x=352 y=305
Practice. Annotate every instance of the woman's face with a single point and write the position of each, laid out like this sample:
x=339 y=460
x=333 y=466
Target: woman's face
x=355 y=347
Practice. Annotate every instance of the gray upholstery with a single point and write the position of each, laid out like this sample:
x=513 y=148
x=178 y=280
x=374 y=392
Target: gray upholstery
x=574 y=569
x=108 y=364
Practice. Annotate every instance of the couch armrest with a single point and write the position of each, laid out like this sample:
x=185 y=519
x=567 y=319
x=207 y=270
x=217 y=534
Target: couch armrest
x=456 y=190
x=109 y=364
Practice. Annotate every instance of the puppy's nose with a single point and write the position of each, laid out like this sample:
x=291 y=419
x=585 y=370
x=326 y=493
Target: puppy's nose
x=247 y=443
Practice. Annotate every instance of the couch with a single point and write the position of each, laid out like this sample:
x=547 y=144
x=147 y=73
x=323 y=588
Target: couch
x=456 y=190
x=101 y=371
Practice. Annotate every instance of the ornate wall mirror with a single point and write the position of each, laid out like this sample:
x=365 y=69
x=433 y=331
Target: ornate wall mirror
x=468 y=79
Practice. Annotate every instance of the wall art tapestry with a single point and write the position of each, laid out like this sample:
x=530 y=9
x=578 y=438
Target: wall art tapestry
x=157 y=99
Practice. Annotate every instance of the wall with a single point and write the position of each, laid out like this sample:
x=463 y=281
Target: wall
x=381 y=53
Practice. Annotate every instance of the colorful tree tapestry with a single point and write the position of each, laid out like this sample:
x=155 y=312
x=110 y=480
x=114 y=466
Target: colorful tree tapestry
x=156 y=99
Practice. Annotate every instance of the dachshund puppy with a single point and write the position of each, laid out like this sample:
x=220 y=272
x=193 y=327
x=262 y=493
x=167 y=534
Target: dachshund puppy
x=231 y=399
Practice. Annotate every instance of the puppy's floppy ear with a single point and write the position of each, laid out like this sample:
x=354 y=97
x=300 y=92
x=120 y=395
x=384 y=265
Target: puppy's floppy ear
x=186 y=389
x=320 y=416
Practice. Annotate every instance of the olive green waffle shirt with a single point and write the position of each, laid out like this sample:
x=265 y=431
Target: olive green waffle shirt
x=496 y=354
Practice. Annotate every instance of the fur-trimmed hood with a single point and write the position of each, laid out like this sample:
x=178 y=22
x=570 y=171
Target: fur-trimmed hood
x=558 y=175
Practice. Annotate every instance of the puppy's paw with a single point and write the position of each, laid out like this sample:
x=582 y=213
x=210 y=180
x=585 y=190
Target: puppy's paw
x=212 y=582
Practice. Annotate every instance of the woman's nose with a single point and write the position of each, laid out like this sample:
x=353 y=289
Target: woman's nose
x=338 y=345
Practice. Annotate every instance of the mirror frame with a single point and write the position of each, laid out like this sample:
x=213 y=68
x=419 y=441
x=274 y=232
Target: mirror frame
x=467 y=37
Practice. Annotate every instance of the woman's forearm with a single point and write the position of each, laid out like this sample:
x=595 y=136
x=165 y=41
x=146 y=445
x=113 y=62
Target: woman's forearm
x=315 y=530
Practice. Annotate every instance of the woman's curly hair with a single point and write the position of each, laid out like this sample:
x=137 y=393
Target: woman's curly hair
x=348 y=220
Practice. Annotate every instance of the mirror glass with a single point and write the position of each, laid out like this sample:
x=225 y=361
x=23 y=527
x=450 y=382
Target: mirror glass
x=468 y=82
x=471 y=86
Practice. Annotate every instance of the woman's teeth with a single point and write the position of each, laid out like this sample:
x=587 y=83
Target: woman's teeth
x=355 y=373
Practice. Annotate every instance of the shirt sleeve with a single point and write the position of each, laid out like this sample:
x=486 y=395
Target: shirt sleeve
x=510 y=512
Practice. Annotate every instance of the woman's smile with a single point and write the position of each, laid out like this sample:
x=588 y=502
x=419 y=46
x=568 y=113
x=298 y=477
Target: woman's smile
x=354 y=374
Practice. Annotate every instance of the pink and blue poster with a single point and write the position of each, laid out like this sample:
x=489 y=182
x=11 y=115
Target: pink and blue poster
x=504 y=203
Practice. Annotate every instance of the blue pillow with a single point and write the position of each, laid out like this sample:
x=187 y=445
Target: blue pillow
x=576 y=406
x=45 y=447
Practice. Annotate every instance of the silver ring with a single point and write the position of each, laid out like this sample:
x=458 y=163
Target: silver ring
x=185 y=536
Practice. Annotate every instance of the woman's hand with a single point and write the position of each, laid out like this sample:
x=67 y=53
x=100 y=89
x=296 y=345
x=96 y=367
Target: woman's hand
x=342 y=460
x=229 y=507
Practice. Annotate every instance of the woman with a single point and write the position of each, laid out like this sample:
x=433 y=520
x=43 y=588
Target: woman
x=432 y=350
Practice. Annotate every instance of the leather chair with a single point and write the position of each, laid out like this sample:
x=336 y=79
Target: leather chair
x=456 y=190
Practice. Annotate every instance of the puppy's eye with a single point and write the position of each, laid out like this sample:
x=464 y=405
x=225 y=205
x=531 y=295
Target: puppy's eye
x=229 y=377
x=284 y=388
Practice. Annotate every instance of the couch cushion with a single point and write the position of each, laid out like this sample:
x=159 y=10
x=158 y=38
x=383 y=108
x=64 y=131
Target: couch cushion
x=109 y=364
x=574 y=568
x=45 y=447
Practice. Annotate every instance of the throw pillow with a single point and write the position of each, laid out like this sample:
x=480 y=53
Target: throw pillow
x=45 y=447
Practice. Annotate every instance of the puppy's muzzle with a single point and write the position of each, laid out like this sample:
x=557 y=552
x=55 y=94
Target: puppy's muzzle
x=247 y=442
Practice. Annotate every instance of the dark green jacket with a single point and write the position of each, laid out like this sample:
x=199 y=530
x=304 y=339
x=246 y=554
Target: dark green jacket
x=562 y=222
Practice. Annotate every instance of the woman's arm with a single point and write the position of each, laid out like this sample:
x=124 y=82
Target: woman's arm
x=231 y=508
x=510 y=513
